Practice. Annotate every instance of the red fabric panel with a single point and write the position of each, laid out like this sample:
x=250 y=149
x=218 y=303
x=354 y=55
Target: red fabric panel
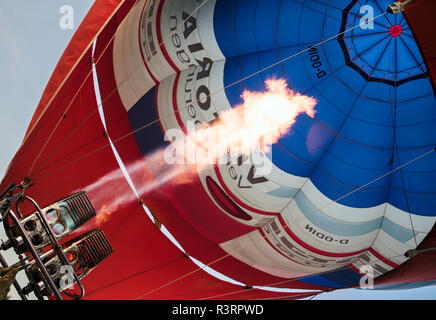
x=420 y=17
x=82 y=39
x=69 y=141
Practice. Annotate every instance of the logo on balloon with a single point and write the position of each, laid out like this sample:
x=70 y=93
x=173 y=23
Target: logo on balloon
x=249 y=129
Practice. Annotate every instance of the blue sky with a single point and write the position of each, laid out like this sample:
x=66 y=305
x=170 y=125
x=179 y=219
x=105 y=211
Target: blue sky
x=31 y=43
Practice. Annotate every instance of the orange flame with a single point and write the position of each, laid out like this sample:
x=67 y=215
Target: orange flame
x=256 y=124
x=104 y=214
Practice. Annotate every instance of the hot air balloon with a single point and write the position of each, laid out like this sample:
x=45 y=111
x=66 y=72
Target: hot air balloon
x=350 y=191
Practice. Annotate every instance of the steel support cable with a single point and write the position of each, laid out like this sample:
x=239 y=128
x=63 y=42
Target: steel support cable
x=393 y=103
x=396 y=148
x=65 y=79
x=130 y=276
x=281 y=62
x=420 y=251
x=175 y=260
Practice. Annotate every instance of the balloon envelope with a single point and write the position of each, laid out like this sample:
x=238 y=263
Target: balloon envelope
x=306 y=223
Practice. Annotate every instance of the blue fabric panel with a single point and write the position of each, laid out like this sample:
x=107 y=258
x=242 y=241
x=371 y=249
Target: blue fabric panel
x=375 y=106
x=335 y=279
x=142 y=113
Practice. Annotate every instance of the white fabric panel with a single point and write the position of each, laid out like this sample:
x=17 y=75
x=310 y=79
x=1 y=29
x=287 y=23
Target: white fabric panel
x=284 y=179
x=339 y=211
x=252 y=194
x=216 y=85
x=157 y=63
x=131 y=76
x=191 y=86
x=417 y=240
x=206 y=31
x=308 y=257
x=183 y=46
x=420 y=223
x=165 y=103
x=391 y=248
x=253 y=249
x=256 y=252
x=304 y=229
x=378 y=266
